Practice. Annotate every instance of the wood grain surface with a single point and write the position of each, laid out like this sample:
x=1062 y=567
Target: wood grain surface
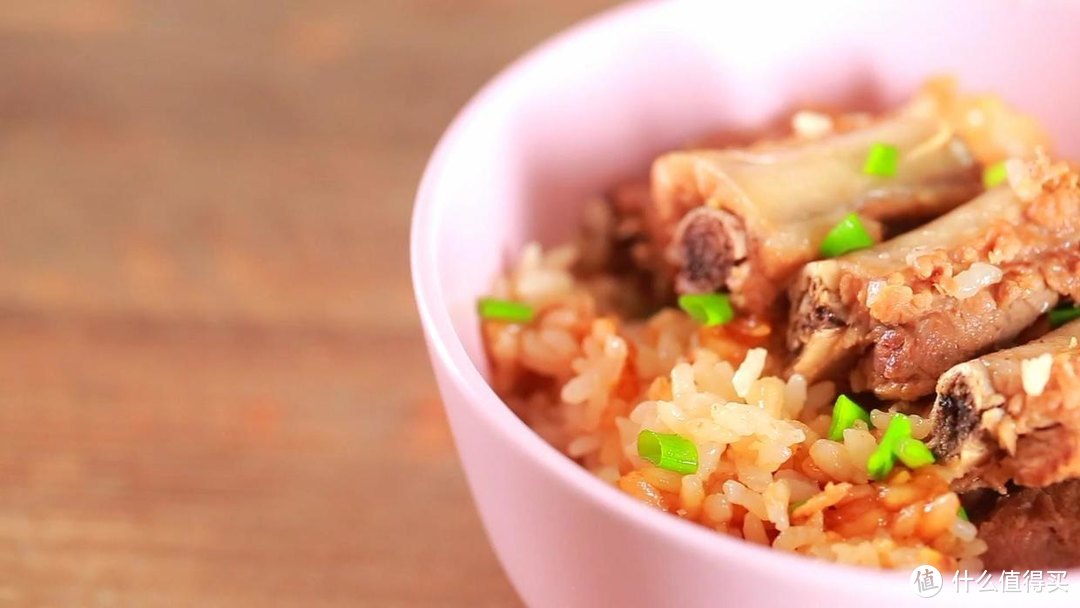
x=213 y=389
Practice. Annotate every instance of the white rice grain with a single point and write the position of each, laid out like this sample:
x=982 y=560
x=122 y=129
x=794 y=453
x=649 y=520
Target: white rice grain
x=811 y=125
x=708 y=457
x=738 y=494
x=754 y=477
x=749 y=371
x=776 y=497
x=795 y=392
x=964 y=530
x=1035 y=373
x=977 y=277
x=796 y=537
x=859 y=444
x=717 y=509
x=754 y=529
x=832 y=458
x=880 y=418
x=920 y=427
x=578 y=389
x=768 y=394
x=582 y=445
x=800 y=487
x=671 y=415
x=714 y=376
x=682 y=381
x=692 y=494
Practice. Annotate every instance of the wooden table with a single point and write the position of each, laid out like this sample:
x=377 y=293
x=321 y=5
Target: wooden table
x=213 y=389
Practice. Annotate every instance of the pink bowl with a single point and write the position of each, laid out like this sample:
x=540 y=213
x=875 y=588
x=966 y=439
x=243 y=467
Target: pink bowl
x=598 y=103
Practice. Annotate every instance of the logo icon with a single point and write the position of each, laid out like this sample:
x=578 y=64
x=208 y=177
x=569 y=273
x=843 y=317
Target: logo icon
x=926 y=580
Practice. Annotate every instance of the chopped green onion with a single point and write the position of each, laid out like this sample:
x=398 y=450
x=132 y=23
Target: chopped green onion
x=994 y=174
x=707 y=308
x=796 y=505
x=882 y=160
x=913 y=453
x=883 y=458
x=880 y=463
x=962 y=514
x=844 y=414
x=899 y=428
x=505 y=310
x=671 y=452
x=848 y=235
x=1061 y=316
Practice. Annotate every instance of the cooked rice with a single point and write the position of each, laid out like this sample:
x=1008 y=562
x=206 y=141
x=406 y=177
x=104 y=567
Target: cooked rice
x=977 y=277
x=811 y=125
x=1035 y=373
x=589 y=383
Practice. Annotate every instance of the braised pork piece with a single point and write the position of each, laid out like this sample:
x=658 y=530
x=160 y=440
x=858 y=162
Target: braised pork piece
x=745 y=220
x=1034 y=529
x=1013 y=415
x=898 y=315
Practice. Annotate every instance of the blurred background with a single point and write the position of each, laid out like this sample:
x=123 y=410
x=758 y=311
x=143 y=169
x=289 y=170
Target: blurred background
x=213 y=387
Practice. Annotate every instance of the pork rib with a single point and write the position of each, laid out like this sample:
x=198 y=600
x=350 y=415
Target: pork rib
x=899 y=314
x=1013 y=415
x=745 y=220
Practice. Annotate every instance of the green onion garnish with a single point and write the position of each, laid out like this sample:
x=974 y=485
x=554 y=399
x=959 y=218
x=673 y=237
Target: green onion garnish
x=671 y=452
x=882 y=160
x=883 y=458
x=844 y=414
x=707 y=308
x=879 y=464
x=505 y=310
x=1061 y=316
x=962 y=514
x=994 y=174
x=913 y=453
x=848 y=235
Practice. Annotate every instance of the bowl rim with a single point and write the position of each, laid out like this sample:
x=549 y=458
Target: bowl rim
x=447 y=348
